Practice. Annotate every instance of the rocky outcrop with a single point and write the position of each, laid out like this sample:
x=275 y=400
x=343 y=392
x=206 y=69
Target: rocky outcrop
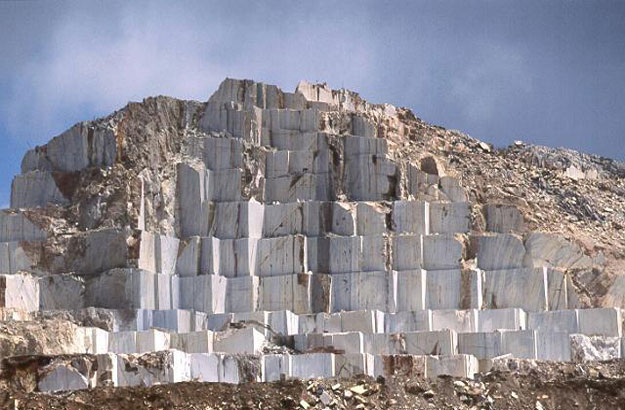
x=321 y=234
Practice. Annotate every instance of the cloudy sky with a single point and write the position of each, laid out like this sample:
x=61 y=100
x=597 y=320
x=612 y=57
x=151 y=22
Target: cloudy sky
x=551 y=73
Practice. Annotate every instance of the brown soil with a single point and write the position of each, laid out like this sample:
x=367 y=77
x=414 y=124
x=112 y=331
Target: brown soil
x=547 y=386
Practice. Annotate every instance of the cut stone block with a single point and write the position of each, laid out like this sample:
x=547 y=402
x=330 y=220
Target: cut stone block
x=343 y=219
x=554 y=346
x=383 y=343
x=441 y=252
x=166 y=248
x=305 y=342
x=348 y=342
x=163 y=292
x=152 y=340
x=499 y=252
x=313 y=365
x=317 y=218
x=62 y=292
x=482 y=345
x=408 y=321
x=236 y=122
x=233 y=369
x=450 y=217
x=358 y=145
x=277 y=366
x=204 y=367
x=16 y=257
x=328 y=323
x=601 y=322
x=406 y=252
x=62 y=378
x=558 y=321
x=293 y=188
x=523 y=288
x=277 y=164
x=147 y=252
x=188 y=261
x=79 y=147
x=15 y=226
x=193 y=342
x=369 y=178
x=354 y=364
x=364 y=290
x=371 y=219
x=284 y=322
x=19 y=292
x=289 y=292
x=503 y=218
x=222 y=153
x=411 y=217
x=170 y=366
x=204 y=293
x=462 y=365
x=224 y=185
x=335 y=254
x=453 y=289
x=297 y=141
x=242 y=294
x=103 y=250
x=93 y=339
x=36 y=189
x=440 y=342
x=196 y=188
x=452 y=189
x=461 y=321
x=283 y=219
x=364 y=127
x=122 y=289
x=123 y=342
x=176 y=320
x=367 y=321
x=308 y=324
x=219 y=321
x=374 y=253
x=519 y=343
x=282 y=256
x=235 y=220
x=557 y=290
x=191 y=193
x=237 y=257
x=411 y=290
x=490 y=320
x=321 y=293
x=210 y=256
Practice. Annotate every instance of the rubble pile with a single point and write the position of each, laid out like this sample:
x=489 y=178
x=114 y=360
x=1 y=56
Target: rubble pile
x=265 y=236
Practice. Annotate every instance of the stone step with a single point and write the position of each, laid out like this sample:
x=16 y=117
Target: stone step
x=69 y=373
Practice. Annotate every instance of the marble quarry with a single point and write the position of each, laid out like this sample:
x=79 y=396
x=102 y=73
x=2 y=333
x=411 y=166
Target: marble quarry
x=298 y=248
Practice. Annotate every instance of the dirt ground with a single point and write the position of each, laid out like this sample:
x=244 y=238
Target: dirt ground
x=527 y=386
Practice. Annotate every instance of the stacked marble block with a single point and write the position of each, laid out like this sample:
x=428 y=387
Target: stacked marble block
x=309 y=237
x=172 y=366
x=341 y=344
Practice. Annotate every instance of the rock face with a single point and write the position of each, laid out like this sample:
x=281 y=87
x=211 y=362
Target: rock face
x=267 y=233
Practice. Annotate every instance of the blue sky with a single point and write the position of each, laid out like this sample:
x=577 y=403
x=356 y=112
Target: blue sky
x=551 y=73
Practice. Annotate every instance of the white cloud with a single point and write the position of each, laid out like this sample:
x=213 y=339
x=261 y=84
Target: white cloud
x=95 y=63
x=493 y=71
